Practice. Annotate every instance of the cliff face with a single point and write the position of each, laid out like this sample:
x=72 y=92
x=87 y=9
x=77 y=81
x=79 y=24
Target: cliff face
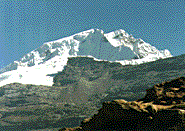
x=82 y=67
x=163 y=108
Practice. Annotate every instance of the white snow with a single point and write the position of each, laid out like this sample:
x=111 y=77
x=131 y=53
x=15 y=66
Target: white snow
x=51 y=57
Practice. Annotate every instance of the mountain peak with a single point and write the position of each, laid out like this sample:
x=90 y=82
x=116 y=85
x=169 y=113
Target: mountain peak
x=52 y=56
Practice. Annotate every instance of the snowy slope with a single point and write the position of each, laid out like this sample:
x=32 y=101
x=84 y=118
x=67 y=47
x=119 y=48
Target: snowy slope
x=37 y=66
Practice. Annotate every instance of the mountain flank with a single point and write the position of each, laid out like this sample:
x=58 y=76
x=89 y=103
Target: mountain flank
x=79 y=90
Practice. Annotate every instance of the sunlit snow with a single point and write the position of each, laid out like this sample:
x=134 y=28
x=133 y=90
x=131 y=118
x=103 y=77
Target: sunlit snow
x=38 y=66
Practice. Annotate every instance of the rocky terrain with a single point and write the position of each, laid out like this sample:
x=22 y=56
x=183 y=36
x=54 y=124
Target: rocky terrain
x=80 y=90
x=28 y=107
x=106 y=81
x=162 y=108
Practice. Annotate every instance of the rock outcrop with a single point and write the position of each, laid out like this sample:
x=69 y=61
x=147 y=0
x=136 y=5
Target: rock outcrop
x=162 y=108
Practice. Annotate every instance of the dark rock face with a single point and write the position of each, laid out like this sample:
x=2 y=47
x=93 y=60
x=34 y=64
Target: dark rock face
x=82 y=67
x=108 y=81
x=167 y=93
x=149 y=113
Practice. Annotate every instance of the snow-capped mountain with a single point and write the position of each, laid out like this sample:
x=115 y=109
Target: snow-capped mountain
x=37 y=66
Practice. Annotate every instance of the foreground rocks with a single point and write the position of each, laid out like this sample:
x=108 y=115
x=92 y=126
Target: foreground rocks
x=162 y=108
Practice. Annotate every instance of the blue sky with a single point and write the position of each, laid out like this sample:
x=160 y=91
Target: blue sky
x=26 y=25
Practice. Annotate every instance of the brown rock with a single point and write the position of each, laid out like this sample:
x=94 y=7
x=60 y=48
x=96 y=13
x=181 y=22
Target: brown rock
x=163 y=108
x=170 y=94
x=71 y=129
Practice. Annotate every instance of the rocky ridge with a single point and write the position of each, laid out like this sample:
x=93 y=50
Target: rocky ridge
x=162 y=108
x=106 y=81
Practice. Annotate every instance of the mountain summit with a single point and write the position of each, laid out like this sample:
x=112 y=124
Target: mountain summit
x=38 y=66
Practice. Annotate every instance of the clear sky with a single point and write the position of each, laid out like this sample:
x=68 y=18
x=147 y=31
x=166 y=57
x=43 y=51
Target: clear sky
x=27 y=24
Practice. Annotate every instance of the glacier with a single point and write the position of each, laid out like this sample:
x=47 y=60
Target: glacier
x=37 y=66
